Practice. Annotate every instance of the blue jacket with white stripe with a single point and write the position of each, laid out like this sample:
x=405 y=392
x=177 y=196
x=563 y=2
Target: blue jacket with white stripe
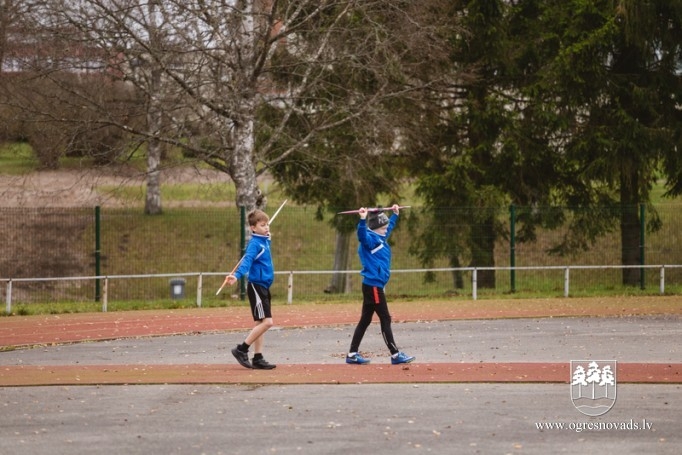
x=375 y=253
x=257 y=263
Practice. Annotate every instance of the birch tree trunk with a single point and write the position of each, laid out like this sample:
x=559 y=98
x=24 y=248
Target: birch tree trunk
x=242 y=161
x=243 y=170
x=152 y=205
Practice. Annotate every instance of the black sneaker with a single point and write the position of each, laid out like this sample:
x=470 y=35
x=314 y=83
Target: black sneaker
x=262 y=364
x=242 y=358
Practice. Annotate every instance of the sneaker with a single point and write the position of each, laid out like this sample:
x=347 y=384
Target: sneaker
x=356 y=359
x=242 y=358
x=262 y=364
x=401 y=358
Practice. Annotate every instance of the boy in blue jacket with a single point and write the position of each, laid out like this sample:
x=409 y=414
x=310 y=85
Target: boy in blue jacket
x=373 y=231
x=257 y=266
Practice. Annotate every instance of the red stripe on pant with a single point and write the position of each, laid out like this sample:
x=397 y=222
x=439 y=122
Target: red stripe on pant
x=375 y=291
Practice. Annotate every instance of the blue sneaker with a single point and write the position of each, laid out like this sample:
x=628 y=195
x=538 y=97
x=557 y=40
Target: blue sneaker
x=401 y=358
x=356 y=359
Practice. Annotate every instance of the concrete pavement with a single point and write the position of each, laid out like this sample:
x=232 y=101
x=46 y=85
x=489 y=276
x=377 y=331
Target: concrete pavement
x=420 y=417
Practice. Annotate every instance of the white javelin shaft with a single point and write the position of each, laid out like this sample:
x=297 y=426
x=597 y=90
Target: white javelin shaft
x=277 y=212
x=374 y=209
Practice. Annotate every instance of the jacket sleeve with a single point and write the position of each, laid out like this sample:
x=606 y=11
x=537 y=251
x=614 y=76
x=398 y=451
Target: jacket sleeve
x=247 y=260
x=363 y=235
x=392 y=221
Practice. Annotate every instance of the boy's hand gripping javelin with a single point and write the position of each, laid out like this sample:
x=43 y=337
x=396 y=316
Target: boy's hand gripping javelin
x=242 y=258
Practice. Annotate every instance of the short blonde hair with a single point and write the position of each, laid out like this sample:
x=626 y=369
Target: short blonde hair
x=257 y=216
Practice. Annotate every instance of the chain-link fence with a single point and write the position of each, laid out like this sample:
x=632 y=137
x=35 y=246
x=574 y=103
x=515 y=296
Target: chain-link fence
x=85 y=242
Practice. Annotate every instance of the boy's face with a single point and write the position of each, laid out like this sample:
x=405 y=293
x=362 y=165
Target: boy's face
x=261 y=228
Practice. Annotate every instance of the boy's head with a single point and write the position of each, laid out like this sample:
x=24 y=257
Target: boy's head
x=258 y=221
x=376 y=220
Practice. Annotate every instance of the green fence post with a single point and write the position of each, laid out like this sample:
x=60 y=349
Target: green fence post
x=642 y=240
x=98 y=252
x=242 y=217
x=512 y=246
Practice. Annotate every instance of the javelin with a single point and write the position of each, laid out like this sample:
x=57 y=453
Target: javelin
x=374 y=209
x=242 y=258
x=277 y=212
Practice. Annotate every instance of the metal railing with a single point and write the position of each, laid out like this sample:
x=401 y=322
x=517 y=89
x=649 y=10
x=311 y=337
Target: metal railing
x=105 y=280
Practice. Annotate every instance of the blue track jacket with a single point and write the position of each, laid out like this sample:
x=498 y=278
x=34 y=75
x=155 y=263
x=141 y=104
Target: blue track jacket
x=257 y=263
x=375 y=253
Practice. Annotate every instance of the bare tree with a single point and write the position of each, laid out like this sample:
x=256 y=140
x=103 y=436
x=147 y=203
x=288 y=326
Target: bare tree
x=205 y=71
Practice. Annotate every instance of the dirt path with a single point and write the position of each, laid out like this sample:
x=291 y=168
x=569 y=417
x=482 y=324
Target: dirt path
x=77 y=188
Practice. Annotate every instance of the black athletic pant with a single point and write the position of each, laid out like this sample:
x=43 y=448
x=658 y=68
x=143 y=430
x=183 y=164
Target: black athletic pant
x=373 y=301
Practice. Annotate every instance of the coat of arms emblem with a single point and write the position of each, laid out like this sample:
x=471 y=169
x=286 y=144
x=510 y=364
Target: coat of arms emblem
x=593 y=386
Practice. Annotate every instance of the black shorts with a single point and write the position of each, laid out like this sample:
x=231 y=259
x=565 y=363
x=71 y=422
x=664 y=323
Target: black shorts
x=259 y=298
